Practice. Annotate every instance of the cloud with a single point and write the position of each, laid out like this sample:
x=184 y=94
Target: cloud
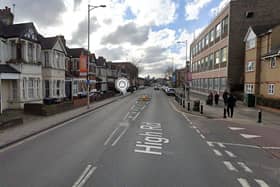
x=192 y=9
x=77 y=4
x=112 y=54
x=79 y=37
x=42 y=12
x=214 y=11
x=128 y=33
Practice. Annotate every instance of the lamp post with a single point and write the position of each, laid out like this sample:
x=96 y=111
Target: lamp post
x=186 y=84
x=90 y=8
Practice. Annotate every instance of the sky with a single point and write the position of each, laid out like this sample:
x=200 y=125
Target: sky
x=149 y=33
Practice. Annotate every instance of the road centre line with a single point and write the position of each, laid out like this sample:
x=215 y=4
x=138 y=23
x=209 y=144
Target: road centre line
x=134 y=118
x=202 y=136
x=221 y=145
x=261 y=183
x=243 y=182
x=240 y=145
x=230 y=154
x=246 y=168
x=84 y=176
x=119 y=137
x=210 y=144
x=218 y=153
x=111 y=135
x=197 y=131
x=229 y=166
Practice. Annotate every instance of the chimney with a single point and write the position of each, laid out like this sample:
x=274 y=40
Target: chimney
x=62 y=39
x=6 y=16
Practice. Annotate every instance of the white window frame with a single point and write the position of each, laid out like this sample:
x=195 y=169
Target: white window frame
x=273 y=62
x=251 y=44
x=249 y=88
x=271 y=89
x=250 y=66
x=219 y=57
x=31 y=88
x=218 y=31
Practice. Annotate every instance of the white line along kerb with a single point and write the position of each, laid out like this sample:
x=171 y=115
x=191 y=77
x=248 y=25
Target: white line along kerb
x=84 y=176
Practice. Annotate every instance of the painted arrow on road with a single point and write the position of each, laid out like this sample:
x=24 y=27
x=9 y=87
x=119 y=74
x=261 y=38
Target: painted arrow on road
x=249 y=136
x=236 y=128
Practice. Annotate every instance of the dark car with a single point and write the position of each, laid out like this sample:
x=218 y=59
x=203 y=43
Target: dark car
x=156 y=88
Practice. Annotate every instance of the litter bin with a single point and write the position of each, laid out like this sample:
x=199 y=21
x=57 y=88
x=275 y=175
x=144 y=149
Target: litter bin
x=250 y=100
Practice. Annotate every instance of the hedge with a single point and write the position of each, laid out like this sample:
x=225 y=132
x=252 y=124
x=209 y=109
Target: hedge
x=268 y=102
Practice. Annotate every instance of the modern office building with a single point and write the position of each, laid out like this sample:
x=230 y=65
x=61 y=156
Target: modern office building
x=217 y=54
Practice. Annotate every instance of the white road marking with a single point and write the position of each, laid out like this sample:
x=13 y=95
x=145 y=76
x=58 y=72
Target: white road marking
x=261 y=183
x=276 y=148
x=118 y=138
x=246 y=168
x=143 y=107
x=125 y=117
x=110 y=137
x=249 y=136
x=134 y=118
x=218 y=153
x=230 y=154
x=229 y=166
x=132 y=107
x=194 y=127
x=197 y=131
x=221 y=145
x=202 y=136
x=240 y=145
x=210 y=144
x=243 y=182
x=84 y=176
x=236 y=128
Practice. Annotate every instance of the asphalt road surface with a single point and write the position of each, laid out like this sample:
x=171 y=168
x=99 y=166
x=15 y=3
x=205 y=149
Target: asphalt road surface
x=132 y=143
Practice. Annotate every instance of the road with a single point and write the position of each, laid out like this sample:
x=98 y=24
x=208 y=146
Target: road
x=132 y=143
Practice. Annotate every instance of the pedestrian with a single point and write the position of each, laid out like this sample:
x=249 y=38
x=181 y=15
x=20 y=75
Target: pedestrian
x=210 y=99
x=225 y=97
x=231 y=101
x=217 y=97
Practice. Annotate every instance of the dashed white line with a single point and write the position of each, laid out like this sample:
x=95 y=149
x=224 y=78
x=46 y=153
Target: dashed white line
x=197 y=131
x=229 y=166
x=134 y=118
x=132 y=107
x=230 y=154
x=261 y=183
x=246 y=168
x=143 y=107
x=210 y=144
x=221 y=145
x=243 y=182
x=111 y=135
x=125 y=117
x=218 y=153
x=202 y=136
x=84 y=176
x=118 y=138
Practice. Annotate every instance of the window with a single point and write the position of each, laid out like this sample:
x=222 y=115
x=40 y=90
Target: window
x=31 y=88
x=212 y=34
x=202 y=43
x=47 y=88
x=30 y=52
x=58 y=87
x=207 y=39
x=206 y=63
x=249 y=88
x=218 y=31
x=75 y=87
x=57 y=59
x=223 y=83
x=210 y=84
x=211 y=61
x=217 y=57
x=24 y=88
x=250 y=66
x=271 y=88
x=250 y=44
x=14 y=89
x=13 y=48
x=273 y=62
x=202 y=65
x=199 y=46
x=216 y=84
x=47 y=59
x=224 y=54
x=225 y=25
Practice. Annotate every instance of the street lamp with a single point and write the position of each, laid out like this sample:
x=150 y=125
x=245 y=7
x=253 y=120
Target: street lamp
x=186 y=84
x=90 y=8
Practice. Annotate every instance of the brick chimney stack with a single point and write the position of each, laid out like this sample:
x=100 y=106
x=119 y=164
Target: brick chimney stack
x=6 y=16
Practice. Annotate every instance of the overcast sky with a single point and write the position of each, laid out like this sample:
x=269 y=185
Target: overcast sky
x=143 y=31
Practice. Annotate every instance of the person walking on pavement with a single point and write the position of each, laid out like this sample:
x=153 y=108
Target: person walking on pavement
x=225 y=97
x=231 y=101
x=217 y=96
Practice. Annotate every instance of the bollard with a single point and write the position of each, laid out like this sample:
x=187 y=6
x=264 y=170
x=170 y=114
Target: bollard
x=184 y=106
x=225 y=112
x=189 y=106
x=201 y=109
x=260 y=116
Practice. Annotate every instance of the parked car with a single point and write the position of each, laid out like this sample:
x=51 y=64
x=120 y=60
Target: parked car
x=94 y=92
x=156 y=88
x=170 y=92
x=141 y=87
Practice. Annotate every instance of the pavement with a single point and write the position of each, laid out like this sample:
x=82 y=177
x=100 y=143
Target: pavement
x=138 y=143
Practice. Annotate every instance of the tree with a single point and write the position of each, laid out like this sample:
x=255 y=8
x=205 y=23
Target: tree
x=168 y=72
